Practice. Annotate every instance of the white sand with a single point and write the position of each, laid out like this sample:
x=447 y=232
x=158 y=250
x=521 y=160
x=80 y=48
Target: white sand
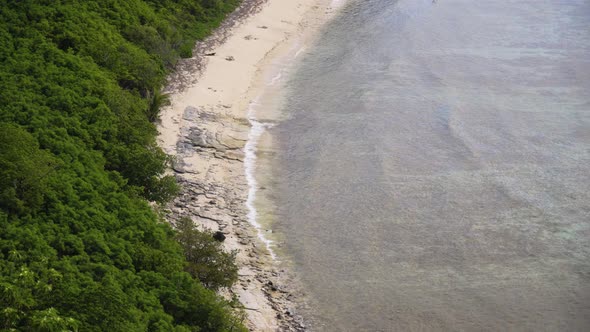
x=218 y=105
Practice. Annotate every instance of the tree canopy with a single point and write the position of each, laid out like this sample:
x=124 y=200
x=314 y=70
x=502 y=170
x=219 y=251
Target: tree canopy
x=80 y=247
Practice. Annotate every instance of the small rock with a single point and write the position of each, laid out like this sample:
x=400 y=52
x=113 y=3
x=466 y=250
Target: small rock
x=179 y=168
x=230 y=58
x=273 y=287
x=210 y=54
x=219 y=236
x=262 y=27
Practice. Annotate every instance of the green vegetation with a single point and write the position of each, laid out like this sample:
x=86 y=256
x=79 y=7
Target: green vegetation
x=206 y=259
x=80 y=248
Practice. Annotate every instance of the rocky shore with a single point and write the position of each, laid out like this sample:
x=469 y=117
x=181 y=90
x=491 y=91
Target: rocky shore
x=209 y=167
x=206 y=129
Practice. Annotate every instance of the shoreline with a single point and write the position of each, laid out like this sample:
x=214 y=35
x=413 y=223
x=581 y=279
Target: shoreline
x=212 y=131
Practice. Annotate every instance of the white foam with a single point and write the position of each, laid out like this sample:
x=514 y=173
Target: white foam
x=256 y=130
x=276 y=78
x=299 y=51
x=336 y=3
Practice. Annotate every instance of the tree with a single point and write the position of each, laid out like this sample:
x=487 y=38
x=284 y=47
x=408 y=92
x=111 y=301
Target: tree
x=206 y=259
x=24 y=170
x=158 y=100
x=49 y=320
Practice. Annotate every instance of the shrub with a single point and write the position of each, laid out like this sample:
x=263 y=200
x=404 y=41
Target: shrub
x=207 y=261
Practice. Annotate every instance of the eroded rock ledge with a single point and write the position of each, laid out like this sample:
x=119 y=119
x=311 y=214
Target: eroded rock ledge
x=209 y=167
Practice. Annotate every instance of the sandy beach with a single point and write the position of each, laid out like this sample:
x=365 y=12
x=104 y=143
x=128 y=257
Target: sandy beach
x=212 y=133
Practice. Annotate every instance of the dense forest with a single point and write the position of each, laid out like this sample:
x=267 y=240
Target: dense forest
x=80 y=247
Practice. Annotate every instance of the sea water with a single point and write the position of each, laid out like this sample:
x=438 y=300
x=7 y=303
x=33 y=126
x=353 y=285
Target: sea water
x=432 y=172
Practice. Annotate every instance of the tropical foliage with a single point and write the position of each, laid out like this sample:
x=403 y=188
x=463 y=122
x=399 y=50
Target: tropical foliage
x=80 y=247
x=206 y=259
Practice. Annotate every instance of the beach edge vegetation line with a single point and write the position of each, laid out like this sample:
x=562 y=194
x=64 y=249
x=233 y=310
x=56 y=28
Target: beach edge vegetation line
x=80 y=247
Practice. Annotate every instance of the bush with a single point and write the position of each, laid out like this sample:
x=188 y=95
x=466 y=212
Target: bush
x=206 y=259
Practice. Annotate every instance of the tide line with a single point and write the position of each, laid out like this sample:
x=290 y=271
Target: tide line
x=256 y=130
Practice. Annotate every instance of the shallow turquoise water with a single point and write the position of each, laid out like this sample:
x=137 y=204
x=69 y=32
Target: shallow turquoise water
x=434 y=171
